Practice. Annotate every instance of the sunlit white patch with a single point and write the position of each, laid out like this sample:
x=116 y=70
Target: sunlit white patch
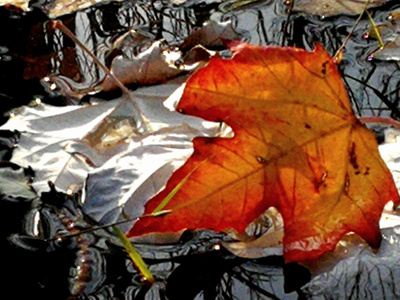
x=46 y=79
x=36 y=222
x=52 y=86
x=71 y=225
x=390 y=216
x=171 y=56
x=217 y=247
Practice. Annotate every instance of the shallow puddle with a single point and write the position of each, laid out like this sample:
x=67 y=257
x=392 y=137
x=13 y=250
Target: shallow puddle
x=40 y=63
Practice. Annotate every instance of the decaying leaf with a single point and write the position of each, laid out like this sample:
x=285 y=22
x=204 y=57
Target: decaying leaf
x=148 y=67
x=263 y=237
x=121 y=186
x=98 y=145
x=155 y=65
x=212 y=34
x=15 y=183
x=22 y=4
x=151 y=64
x=145 y=61
x=390 y=34
x=57 y=8
x=391 y=51
x=361 y=273
x=328 y=8
x=297 y=146
x=62 y=7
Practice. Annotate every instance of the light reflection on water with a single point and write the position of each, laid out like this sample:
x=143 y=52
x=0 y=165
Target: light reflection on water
x=368 y=81
x=263 y=25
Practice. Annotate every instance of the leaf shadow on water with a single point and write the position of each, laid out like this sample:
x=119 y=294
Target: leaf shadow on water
x=192 y=269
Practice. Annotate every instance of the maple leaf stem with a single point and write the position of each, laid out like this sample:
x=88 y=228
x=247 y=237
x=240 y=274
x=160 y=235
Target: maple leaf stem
x=134 y=255
x=142 y=120
x=380 y=120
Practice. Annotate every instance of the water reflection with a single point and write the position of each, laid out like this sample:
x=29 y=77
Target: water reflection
x=373 y=85
x=192 y=268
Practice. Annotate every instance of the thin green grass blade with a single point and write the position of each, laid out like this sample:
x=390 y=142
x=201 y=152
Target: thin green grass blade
x=134 y=255
x=159 y=209
x=375 y=31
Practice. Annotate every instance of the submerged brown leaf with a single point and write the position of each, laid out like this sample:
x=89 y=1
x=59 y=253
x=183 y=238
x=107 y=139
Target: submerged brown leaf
x=326 y=8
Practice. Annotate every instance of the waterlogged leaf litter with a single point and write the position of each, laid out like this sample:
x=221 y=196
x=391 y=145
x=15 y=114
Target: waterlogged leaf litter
x=57 y=8
x=361 y=273
x=275 y=158
x=142 y=169
x=329 y=8
x=15 y=183
x=23 y=4
x=63 y=144
x=389 y=32
x=144 y=61
x=116 y=138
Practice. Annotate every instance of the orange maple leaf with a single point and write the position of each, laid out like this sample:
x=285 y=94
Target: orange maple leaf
x=298 y=147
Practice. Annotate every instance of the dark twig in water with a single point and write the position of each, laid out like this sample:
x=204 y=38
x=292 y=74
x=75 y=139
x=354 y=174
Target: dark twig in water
x=394 y=109
x=142 y=121
x=59 y=25
x=339 y=51
x=285 y=27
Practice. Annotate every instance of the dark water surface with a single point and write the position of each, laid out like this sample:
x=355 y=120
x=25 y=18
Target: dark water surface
x=39 y=265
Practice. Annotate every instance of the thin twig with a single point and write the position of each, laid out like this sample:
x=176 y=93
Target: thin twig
x=285 y=28
x=59 y=25
x=351 y=31
x=142 y=120
x=380 y=95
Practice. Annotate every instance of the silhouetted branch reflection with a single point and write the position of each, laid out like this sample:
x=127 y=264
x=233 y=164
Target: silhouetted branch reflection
x=195 y=269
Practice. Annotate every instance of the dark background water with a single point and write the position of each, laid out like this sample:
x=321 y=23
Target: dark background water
x=30 y=49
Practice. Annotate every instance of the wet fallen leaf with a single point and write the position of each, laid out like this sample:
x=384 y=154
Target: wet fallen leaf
x=390 y=34
x=328 y=8
x=391 y=51
x=390 y=152
x=120 y=187
x=22 y=4
x=63 y=144
x=262 y=236
x=212 y=34
x=361 y=273
x=56 y=8
x=15 y=182
x=59 y=8
x=148 y=67
x=297 y=147
x=144 y=61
